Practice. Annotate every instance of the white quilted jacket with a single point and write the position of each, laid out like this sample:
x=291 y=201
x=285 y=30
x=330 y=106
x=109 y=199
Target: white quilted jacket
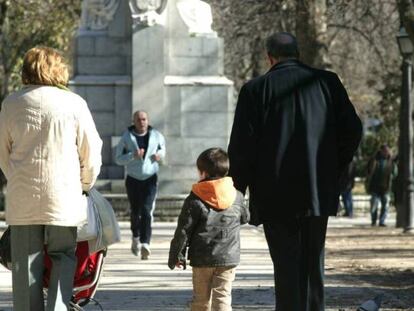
x=50 y=151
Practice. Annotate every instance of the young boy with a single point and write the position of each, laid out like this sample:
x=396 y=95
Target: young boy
x=209 y=224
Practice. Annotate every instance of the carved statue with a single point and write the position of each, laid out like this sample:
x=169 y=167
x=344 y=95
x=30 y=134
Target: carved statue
x=147 y=12
x=97 y=14
x=197 y=15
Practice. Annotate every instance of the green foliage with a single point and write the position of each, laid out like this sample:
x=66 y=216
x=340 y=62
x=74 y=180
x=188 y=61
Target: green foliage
x=369 y=146
x=390 y=100
x=27 y=23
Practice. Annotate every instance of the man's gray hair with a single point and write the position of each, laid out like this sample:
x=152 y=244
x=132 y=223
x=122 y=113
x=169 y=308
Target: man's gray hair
x=140 y=111
x=282 y=45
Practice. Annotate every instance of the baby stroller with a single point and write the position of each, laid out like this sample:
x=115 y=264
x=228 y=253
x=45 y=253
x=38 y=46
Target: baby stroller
x=87 y=275
x=90 y=252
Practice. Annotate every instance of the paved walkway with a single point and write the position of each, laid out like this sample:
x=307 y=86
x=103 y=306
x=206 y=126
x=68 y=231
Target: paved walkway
x=131 y=284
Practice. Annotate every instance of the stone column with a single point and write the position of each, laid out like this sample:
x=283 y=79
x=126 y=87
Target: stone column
x=148 y=72
x=198 y=100
x=133 y=55
x=102 y=72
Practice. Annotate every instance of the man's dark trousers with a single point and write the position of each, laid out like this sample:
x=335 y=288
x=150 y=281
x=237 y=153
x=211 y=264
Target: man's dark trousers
x=141 y=196
x=297 y=248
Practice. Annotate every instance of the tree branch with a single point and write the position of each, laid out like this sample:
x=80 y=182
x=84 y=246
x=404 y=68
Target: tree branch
x=363 y=35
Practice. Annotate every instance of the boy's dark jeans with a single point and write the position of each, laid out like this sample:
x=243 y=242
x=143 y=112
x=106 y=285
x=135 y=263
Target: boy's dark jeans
x=141 y=196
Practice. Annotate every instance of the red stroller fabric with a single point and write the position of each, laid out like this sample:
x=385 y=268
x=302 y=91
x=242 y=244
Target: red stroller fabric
x=87 y=272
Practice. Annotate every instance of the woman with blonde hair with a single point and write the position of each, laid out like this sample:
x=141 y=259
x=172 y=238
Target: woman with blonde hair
x=50 y=151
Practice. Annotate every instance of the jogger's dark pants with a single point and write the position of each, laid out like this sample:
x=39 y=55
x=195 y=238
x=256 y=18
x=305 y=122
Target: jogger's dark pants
x=141 y=196
x=297 y=248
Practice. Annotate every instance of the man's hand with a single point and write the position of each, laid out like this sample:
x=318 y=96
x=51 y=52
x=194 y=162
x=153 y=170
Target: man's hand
x=181 y=265
x=139 y=153
x=156 y=157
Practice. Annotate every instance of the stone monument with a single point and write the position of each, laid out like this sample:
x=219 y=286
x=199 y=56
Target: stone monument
x=161 y=57
x=197 y=16
x=102 y=71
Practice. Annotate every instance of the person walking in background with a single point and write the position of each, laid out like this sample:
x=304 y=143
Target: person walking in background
x=141 y=149
x=294 y=133
x=347 y=183
x=380 y=173
x=50 y=152
x=209 y=224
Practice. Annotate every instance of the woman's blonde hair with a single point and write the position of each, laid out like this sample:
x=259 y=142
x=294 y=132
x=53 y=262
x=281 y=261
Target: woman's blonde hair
x=44 y=66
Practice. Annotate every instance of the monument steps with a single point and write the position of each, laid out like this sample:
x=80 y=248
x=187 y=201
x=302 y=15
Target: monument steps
x=168 y=207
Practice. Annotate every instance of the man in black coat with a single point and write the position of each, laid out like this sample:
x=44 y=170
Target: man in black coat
x=294 y=133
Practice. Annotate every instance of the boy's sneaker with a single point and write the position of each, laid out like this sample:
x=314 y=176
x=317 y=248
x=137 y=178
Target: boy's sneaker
x=135 y=246
x=145 y=251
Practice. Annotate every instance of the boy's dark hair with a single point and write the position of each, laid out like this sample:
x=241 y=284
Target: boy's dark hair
x=282 y=45
x=213 y=161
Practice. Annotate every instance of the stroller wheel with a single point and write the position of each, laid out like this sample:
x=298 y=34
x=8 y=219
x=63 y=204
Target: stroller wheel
x=74 y=307
x=81 y=303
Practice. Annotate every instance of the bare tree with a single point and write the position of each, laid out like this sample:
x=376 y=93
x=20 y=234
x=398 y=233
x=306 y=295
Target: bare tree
x=244 y=25
x=363 y=48
x=312 y=31
x=26 y=23
x=355 y=38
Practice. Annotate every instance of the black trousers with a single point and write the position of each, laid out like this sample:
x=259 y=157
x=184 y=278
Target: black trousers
x=297 y=248
x=141 y=196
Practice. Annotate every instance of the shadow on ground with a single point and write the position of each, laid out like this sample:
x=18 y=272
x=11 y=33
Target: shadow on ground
x=249 y=299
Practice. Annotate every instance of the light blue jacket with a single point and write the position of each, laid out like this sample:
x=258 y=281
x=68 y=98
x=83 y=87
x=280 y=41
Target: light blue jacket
x=140 y=169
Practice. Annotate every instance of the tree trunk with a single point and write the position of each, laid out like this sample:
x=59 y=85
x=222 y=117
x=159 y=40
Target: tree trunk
x=4 y=85
x=311 y=32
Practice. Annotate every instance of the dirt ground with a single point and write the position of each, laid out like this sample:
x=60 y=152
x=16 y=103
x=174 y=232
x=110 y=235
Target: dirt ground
x=364 y=261
x=361 y=262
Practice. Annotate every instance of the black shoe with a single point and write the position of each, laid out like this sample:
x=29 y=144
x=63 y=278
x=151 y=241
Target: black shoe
x=382 y=225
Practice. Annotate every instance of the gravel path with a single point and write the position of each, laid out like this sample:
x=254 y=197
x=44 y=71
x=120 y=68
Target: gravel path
x=361 y=262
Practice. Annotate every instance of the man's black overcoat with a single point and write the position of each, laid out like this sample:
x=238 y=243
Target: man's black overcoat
x=294 y=132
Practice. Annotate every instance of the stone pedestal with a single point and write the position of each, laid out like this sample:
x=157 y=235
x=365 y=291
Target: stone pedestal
x=162 y=69
x=199 y=114
x=102 y=76
x=148 y=73
x=109 y=99
x=198 y=101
